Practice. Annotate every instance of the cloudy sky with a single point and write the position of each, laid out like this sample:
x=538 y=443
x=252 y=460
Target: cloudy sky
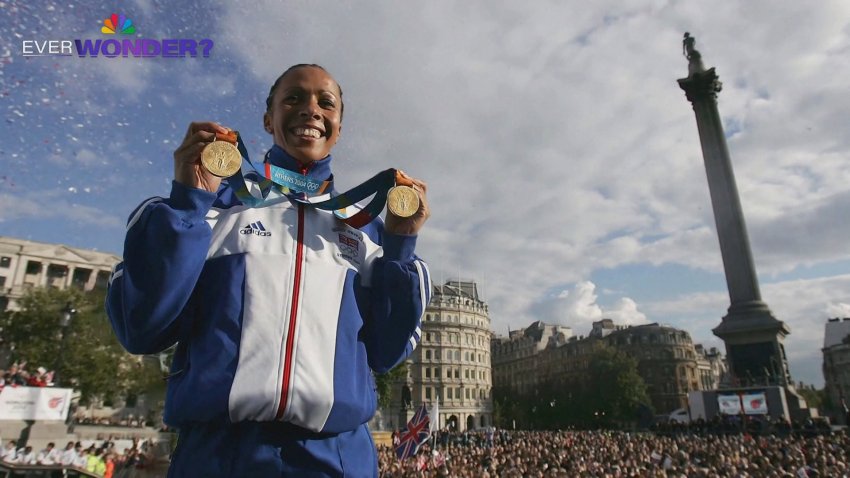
x=563 y=162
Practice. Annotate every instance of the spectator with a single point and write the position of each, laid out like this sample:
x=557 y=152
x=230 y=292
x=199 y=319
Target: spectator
x=94 y=462
x=38 y=379
x=82 y=459
x=109 y=466
x=25 y=456
x=10 y=452
x=15 y=376
x=70 y=454
x=48 y=456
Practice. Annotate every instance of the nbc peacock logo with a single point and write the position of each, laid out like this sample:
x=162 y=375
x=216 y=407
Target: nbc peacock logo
x=118 y=24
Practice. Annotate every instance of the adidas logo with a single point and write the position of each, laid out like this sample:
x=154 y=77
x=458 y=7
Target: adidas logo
x=255 y=228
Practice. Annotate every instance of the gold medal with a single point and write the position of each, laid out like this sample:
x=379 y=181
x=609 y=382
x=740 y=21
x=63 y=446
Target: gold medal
x=402 y=201
x=221 y=159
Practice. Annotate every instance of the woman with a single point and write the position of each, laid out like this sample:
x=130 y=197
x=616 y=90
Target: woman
x=279 y=310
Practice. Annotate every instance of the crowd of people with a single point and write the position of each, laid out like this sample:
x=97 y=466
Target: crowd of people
x=612 y=454
x=127 y=421
x=17 y=375
x=102 y=459
x=751 y=424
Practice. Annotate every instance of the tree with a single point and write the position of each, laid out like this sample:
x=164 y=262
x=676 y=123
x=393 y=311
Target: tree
x=616 y=389
x=814 y=398
x=385 y=381
x=92 y=360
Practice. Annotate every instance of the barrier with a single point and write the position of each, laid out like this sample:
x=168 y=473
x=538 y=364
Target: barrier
x=11 y=470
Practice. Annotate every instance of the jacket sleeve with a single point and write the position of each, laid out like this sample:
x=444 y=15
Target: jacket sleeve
x=400 y=292
x=164 y=252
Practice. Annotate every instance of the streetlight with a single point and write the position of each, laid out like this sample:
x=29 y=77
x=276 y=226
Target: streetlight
x=64 y=322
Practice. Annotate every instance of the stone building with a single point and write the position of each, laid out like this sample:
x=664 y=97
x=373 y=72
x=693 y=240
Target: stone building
x=26 y=264
x=515 y=357
x=711 y=367
x=451 y=363
x=667 y=362
x=667 y=359
x=836 y=364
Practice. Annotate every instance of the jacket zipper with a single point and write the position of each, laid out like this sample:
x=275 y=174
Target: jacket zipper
x=293 y=311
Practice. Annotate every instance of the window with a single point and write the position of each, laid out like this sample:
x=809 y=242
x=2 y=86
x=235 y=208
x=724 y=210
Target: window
x=466 y=373
x=80 y=277
x=448 y=373
x=457 y=373
x=2 y=281
x=457 y=355
x=466 y=393
x=457 y=393
x=427 y=372
x=5 y=262
x=102 y=279
x=428 y=393
x=33 y=267
x=427 y=355
x=428 y=336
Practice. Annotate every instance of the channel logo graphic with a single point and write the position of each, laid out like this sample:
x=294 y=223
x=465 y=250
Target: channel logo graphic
x=111 y=25
x=128 y=47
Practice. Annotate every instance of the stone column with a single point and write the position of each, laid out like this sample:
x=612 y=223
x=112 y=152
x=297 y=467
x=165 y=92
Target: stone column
x=42 y=279
x=69 y=279
x=753 y=336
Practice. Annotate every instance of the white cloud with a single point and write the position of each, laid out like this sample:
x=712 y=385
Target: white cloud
x=578 y=308
x=838 y=309
x=18 y=208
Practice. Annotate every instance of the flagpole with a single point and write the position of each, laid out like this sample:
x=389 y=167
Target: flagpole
x=437 y=422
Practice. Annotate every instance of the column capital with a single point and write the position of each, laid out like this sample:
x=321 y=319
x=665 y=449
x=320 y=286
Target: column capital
x=701 y=85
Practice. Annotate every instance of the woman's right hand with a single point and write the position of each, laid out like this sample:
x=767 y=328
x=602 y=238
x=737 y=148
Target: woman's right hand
x=188 y=169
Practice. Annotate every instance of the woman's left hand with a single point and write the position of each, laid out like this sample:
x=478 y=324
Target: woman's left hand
x=410 y=226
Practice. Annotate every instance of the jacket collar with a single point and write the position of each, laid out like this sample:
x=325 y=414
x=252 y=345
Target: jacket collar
x=320 y=169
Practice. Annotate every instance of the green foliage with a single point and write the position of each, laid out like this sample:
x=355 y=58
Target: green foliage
x=616 y=388
x=608 y=393
x=384 y=383
x=814 y=398
x=89 y=359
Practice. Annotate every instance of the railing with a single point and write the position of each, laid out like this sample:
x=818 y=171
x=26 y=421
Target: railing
x=11 y=470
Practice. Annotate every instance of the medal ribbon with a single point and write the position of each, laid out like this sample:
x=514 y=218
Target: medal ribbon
x=255 y=189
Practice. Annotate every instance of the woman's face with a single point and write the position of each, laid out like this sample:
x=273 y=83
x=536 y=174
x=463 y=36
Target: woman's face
x=305 y=115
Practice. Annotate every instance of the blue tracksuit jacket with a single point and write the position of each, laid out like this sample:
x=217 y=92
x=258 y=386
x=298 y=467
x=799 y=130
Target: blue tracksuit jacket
x=279 y=311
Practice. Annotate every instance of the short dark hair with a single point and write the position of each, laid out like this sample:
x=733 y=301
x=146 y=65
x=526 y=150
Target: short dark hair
x=270 y=98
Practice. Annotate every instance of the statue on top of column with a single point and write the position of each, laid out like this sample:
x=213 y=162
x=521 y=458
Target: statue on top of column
x=694 y=58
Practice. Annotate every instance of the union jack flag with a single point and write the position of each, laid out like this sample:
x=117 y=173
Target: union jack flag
x=418 y=431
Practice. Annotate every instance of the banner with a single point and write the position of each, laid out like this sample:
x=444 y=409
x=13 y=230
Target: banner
x=34 y=403
x=755 y=403
x=729 y=404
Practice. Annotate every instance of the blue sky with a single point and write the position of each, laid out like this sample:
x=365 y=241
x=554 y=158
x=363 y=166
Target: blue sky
x=563 y=163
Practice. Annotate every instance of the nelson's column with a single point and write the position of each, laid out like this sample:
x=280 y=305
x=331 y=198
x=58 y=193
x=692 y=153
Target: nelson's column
x=753 y=336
